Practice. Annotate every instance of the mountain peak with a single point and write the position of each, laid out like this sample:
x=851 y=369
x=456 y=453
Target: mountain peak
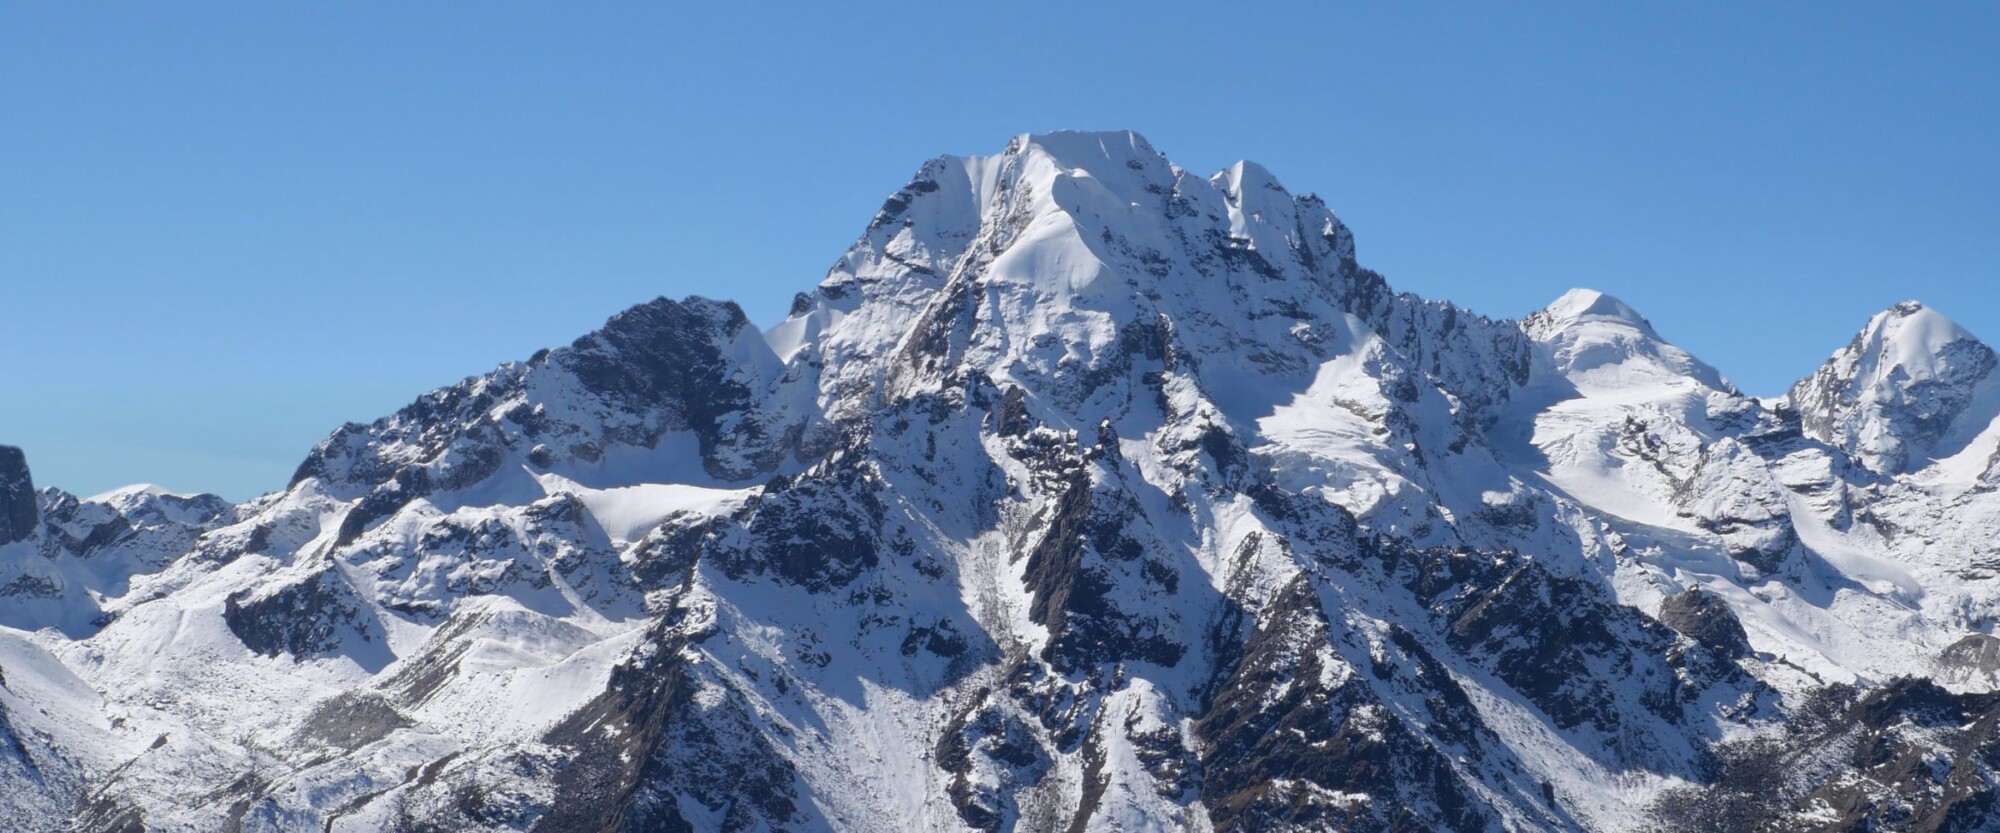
x=1597 y=339
x=1909 y=386
x=1084 y=143
x=1911 y=336
x=1100 y=153
x=1247 y=177
x=1589 y=304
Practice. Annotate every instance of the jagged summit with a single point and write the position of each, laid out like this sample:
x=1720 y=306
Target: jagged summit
x=1912 y=386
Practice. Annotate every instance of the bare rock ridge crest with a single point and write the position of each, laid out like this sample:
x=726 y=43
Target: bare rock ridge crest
x=1084 y=493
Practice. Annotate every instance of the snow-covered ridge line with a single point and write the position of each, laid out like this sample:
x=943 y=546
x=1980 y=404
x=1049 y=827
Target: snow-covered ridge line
x=1085 y=493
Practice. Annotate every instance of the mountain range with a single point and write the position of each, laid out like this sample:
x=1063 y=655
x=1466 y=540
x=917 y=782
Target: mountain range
x=1085 y=493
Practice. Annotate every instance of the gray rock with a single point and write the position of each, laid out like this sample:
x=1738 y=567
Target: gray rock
x=1705 y=618
x=1976 y=652
x=19 y=513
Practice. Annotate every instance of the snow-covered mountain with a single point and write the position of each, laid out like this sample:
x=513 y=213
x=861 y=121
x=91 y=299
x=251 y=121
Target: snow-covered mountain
x=1084 y=493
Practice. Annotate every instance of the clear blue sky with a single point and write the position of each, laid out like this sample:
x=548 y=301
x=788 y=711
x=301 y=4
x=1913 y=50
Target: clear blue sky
x=227 y=228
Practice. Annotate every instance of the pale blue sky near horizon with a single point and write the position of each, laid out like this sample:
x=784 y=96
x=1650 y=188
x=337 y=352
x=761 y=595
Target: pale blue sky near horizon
x=226 y=228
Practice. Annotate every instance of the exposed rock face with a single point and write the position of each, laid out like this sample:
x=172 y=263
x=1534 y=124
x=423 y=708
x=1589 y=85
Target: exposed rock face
x=19 y=514
x=311 y=616
x=1294 y=723
x=1907 y=756
x=1976 y=652
x=1705 y=618
x=660 y=369
x=1085 y=493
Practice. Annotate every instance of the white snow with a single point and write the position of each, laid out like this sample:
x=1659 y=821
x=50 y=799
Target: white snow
x=627 y=513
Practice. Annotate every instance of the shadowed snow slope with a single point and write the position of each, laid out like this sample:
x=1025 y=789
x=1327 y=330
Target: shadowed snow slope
x=1083 y=493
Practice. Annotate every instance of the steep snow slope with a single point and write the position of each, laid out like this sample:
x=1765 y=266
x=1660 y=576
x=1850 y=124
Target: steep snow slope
x=1083 y=493
x=1913 y=387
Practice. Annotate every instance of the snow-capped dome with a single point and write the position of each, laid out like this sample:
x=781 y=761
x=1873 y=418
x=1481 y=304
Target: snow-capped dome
x=1599 y=341
x=1589 y=304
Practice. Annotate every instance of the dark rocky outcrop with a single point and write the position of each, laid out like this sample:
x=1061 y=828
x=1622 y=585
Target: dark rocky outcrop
x=1593 y=666
x=1284 y=749
x=19 y=511
x=668 y=353
x=1088 y=542
x=307 y=617
x=649 y=746
x=1705 y=618
x=1908 y=756
x=985 y=735
x=818 y=530
x=655 y=368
